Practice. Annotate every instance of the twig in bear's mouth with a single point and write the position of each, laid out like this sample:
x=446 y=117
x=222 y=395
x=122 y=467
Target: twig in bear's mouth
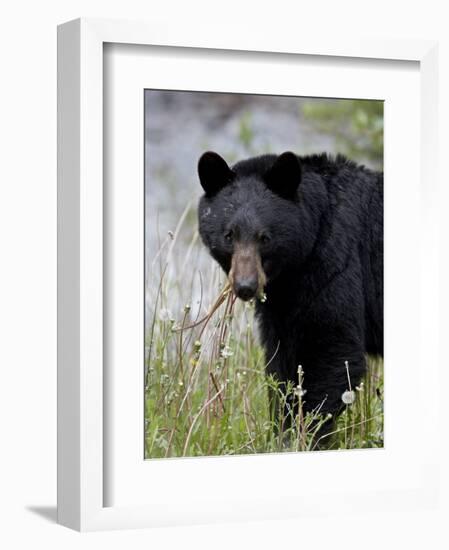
x=224 y=294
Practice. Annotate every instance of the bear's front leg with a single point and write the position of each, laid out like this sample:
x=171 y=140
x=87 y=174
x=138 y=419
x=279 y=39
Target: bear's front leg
x=328 y=373
x=280 y=401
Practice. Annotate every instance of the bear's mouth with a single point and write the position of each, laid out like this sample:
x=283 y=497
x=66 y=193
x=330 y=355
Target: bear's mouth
x=247 y=276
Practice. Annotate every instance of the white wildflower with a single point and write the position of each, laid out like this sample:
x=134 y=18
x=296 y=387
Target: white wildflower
x=226 y=352
x=299 y=392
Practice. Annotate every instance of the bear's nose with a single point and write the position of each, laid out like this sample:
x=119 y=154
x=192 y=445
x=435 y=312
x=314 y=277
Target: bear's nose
x=246 y=288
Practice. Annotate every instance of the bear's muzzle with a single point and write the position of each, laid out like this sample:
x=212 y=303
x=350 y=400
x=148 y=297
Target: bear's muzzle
x=247 y=276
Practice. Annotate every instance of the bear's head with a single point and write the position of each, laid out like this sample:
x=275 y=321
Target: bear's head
x=249 y=217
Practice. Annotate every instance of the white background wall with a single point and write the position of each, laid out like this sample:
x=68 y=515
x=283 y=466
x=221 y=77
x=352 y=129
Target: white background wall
x=28 y=268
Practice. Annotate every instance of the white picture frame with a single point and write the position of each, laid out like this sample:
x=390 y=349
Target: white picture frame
x=82 y=491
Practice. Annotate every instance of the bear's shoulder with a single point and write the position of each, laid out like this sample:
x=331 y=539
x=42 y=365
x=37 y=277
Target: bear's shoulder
x=328 y=164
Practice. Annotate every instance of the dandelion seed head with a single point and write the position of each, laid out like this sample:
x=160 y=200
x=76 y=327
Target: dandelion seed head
x=348 y=397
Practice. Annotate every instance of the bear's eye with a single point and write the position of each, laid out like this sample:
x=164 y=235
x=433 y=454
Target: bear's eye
x=229 y=236
x=264 y=238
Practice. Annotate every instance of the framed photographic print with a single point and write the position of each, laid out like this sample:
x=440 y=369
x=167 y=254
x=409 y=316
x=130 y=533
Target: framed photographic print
x=234 y=294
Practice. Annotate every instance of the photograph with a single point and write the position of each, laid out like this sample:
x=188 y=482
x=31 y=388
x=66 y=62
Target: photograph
x=263 y=274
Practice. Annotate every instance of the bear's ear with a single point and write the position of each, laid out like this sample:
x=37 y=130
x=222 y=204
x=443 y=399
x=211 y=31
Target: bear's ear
x=214 y=173
x=284 y=177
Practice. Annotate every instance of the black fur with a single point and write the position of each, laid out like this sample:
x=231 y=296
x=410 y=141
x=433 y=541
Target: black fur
x=322 y=253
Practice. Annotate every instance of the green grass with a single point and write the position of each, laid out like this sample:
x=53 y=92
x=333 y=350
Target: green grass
x=357 y=126
x=206 y=392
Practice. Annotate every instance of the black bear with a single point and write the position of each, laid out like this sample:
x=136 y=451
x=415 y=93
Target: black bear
x=306 y=233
